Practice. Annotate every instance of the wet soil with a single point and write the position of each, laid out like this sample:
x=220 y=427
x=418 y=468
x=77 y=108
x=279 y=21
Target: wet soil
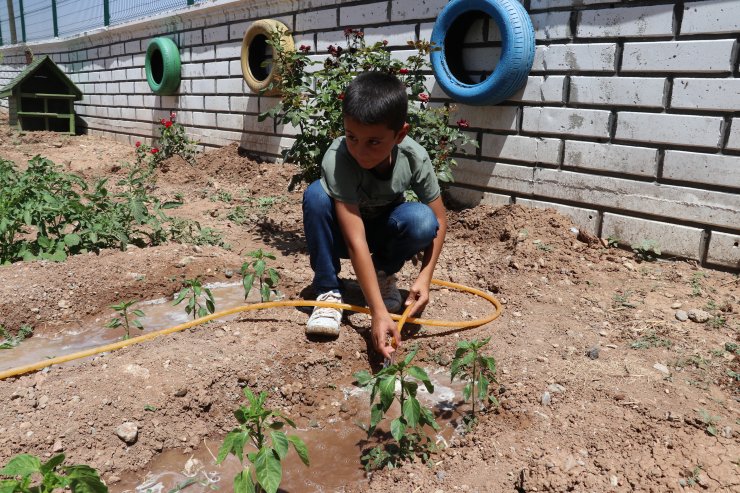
x=601 y=387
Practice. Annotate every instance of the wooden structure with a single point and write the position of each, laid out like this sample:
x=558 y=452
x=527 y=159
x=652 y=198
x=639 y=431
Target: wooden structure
x=42 y=98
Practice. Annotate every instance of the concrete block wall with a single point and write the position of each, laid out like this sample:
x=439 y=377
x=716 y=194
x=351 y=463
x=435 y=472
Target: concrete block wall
x=629 y=121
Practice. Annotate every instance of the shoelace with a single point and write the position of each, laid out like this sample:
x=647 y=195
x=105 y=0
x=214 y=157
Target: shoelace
x=325 y=311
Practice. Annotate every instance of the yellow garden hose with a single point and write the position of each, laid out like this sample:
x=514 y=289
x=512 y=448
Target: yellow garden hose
x=261 y=306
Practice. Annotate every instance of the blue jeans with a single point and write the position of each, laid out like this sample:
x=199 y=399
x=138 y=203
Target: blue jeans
x=393 y=238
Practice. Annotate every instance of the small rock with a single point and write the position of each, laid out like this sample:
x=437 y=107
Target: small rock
x=43 y=401
x=229 y=273
x=682 y=315
x=662 y=368
x=197 y=249
x=614 y=481
x=545 y=399
x=57 y=144
x=441 y=476
x=128 y=432
x=593 y=353
x=63 y=304
x=555 y=388
x=181 y=392
x=677 y=305
x=193 y=467
x=542 y=359
x=702 y=479
x=57 y=447
x=184 y=261
x=628 y=266
x=727 y=432
x=699 y=316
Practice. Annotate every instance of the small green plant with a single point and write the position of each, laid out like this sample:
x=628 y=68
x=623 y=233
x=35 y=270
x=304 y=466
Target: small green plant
x=651 y=340
x=222 y=196
x=11 y=341
x=125 y=318
x=255 y=422
x=612 y=241
x=696 y=287
x=543 y=246
x=717 y=322
x=733 y=348
x=693 y=479
x=149 y=407
x=477 y=370
x=733 y=375
x=709 y=421
x=407 y=429
x=646 y=250
x=29 y=475
x=622 y=298
x=193 y=290
x=257 y=271
x=172 y=141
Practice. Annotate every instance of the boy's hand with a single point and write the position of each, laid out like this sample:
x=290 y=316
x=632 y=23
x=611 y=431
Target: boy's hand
x=418 y=296
x=382 y=327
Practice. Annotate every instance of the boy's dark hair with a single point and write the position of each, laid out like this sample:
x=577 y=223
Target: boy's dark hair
x=376 y=97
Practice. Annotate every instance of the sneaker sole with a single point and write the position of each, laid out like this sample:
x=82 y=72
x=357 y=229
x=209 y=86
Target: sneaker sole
x=322 y=331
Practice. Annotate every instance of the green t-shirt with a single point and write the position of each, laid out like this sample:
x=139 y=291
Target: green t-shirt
x=344 y=180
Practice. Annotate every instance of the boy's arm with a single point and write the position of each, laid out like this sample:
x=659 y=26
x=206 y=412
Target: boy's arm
x=353 y=230
x=419 y=291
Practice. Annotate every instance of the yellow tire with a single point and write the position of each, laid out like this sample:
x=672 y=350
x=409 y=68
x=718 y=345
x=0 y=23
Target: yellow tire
x=255 y=51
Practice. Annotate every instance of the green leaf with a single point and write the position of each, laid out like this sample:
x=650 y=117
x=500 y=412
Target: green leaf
x=265 y=293
x=247 y=282
x=398 y=428
x=10 y=486
x=279 y=443
x=243 y=482
x=467 y=390
x=376 y=416
x=420 y=374
x=72 y=239
x=411 y=411
x=21 y=465
x=268 y=469
x=300 y=448
x=362 y=378
x=428 y=418
x=181 y=296
x=233 y=443
x=483 y=383
x=85 y=479
x=387 y=387
x=259 y=268
x=52 y=463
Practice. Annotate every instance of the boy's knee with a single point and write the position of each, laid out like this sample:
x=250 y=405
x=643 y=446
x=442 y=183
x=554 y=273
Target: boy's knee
x=315 y=199
x=421 y=223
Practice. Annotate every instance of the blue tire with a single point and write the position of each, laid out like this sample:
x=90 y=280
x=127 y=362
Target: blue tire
x=517 y=51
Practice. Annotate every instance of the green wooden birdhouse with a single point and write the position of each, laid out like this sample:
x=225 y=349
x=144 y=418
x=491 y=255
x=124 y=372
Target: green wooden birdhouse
x=42 y=98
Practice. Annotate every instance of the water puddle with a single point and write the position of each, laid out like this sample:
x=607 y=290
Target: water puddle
x=334 y=451
x=159 y=314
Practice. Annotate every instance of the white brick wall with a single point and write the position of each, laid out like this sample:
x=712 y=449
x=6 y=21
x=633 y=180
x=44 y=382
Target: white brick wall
x=632 y=21
x=706 y=94
x=519 y=148
x=548 y=4
x=596 y=57
x=542 y=89
x=724 y=249
x=499 y=176
x=586 y=219
x=611 y=157
x=618 y=91
x=503 y=118
x=678 y=56
x=711 y=16
x=662 y=128
x=551 y=25
x=672 y=239
x=395 y=35
x=362 y=15
x=468 y=197
x=317 y=20
x=402 y=10
x=566 y=121
x=733 y=141
x=702 y=168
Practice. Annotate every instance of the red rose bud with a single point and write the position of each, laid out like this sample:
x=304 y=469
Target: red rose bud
x=167 y=124
x=172 y=116
x=348 y=32
x=305 y=49
x=341 y=97
x=463 y=123
x=423 y=97
x=385 y=42
x=162 y=121
x=155 y=150
x=138 y=144
x=403 y=71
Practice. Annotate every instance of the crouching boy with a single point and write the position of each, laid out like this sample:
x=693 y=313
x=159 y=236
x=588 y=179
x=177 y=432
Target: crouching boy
x=357 y=209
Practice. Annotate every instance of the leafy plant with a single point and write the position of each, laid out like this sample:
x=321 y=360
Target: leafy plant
x=125 y=319
x=172 y=141
x=11 y=341
x=732 y=347
x=479 y=371
x=709 y=421
x=651 y=340
x=623 y=299
x=255 y=422
x=312 y=93
x=407 y=429
x=25 y=469
x=193 y=290
x=717 y=322
x=257 y=271
x=612 y=241
x=696 y=288
x=646 y=250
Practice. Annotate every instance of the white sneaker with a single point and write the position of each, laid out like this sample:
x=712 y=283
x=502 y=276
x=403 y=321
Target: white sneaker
x=389 y=291
x=325 y=321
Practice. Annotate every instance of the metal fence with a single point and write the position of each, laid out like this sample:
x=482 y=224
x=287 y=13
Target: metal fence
x=37 y=20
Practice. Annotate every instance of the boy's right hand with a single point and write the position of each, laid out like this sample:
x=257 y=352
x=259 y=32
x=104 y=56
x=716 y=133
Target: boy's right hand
x=383 y=327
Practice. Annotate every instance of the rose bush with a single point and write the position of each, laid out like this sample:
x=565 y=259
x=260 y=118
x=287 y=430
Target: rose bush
x=312 y=93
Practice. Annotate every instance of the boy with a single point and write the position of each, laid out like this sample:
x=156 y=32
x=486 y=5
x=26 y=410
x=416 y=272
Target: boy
x=357 y=209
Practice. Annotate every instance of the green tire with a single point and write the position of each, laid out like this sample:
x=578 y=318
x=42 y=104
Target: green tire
x=163 y=66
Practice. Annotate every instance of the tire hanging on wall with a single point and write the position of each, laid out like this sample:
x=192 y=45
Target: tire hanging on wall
x=162 y=66
x=517 y=53
x=254 y=47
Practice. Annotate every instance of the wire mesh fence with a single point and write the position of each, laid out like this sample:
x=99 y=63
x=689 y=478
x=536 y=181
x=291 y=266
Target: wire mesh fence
x=38 y=20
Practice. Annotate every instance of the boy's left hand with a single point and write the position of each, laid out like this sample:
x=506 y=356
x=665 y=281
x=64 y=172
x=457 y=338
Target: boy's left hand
x=418 y=296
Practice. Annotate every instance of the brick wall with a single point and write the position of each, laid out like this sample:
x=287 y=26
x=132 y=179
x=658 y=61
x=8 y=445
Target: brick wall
x=629 y=121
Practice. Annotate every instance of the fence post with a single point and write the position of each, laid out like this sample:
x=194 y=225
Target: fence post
x=54 y=17
x=23 y=22
x=106 y=13
x=11 y=19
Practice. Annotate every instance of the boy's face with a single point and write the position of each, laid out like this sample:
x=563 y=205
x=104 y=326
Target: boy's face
x=371 y=145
